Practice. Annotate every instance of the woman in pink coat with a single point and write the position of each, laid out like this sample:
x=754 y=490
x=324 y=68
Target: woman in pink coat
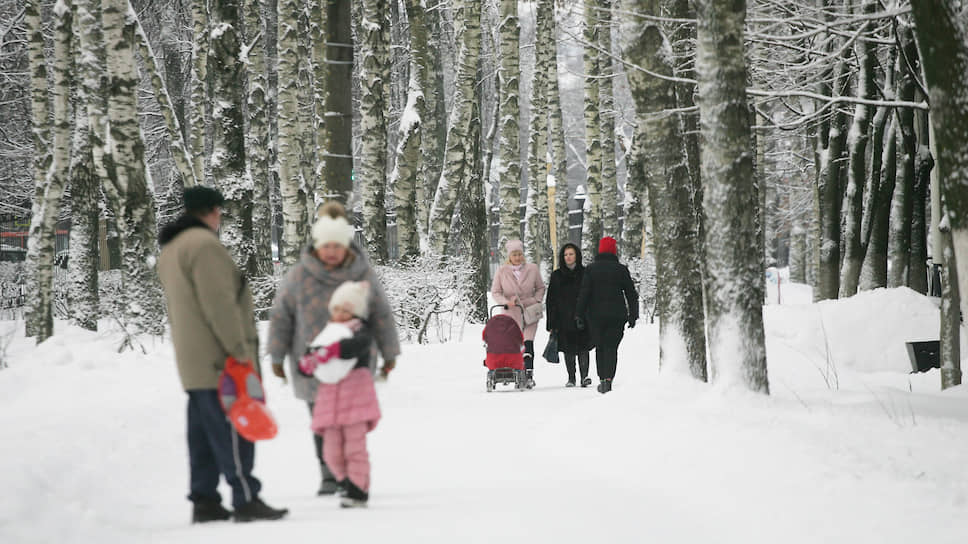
x=519 y=283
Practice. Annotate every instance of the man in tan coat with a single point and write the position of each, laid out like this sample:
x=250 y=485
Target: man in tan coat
x=211 y=316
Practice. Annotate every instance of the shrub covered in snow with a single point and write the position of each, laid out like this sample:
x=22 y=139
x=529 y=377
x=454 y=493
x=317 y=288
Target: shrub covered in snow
x=430 y=296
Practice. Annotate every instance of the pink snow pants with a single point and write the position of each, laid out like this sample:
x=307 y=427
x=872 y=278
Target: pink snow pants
x=344 y=450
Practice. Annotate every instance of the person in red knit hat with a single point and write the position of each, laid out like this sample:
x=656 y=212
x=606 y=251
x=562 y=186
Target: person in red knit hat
x=606 y=302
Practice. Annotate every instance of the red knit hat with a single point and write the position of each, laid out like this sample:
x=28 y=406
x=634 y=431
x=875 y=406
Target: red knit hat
x=608 y=245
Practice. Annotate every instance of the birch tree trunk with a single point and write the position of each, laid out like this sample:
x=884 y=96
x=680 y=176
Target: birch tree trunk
x=228 y=142
x=857 y=140
x=609 y=179
x=257 y=142
x=315 y=131
x=82 y=266
x=682 y=341
x=338 y=154
x=456 y=162
x=830 y=196
x=918 y=271
x=798 y=255
x=375 y=77
x=950 y=316
x=433 y=123
x=291 y=186
x=199 y=85
x=902 y=207
x=635 y=189
x=874 y=272
x=591 y=230
x=474 y=212
x=943 y=41
x=124 y=158
x=406 y=178
x=556 y=129
x=509 y=170
x=49 y=182
x=538 y=228
x=734 y=279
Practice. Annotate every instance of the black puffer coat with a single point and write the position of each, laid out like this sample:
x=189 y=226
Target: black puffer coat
x=607 y=299
x=561 y=302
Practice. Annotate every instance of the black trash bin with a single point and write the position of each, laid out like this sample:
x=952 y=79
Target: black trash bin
x=924 y=355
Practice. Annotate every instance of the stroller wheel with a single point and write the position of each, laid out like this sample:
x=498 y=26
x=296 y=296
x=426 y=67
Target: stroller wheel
x=490 y=381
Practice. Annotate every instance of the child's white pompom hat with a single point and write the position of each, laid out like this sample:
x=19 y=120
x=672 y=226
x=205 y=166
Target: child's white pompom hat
x=352 y=296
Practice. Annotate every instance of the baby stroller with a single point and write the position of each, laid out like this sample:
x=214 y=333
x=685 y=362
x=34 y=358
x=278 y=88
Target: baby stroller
x=504 y=342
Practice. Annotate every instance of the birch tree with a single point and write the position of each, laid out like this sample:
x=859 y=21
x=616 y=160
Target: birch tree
x=375 y=77
x=51 y=181
x=682 y=342
x=556 y=130
x=943 y=41
x=609 y=178
x=199 y=85
x=456 y=161
x=84 y=180
x=406 y=181
x=734 y=280
x=291 y=186
x=228 y=142
x=509 y=159
x=257 y=142
x=874 y=271
x=857 y=139
x=433 y=122
x=831 y=144
x=902 y=206
x=591 y=230
x=127 y=178
x=537 y=230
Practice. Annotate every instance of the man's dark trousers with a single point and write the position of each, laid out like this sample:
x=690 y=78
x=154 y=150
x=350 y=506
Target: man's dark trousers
x=215 y=448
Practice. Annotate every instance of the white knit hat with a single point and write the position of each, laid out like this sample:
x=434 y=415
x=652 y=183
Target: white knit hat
x=352 y=296
x=329 y=229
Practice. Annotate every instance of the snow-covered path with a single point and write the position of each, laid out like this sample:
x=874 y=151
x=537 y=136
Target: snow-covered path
x=94 y=451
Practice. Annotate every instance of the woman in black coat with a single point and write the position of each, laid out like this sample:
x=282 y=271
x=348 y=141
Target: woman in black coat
x=562 y=299
x=607 y=301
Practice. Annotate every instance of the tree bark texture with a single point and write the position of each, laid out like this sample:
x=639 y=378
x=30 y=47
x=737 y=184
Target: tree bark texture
x=556 y=129
x=199 y=106
x=609 y=180
x=902 y=206
x=50 y=181
x=228 y=142
x=857 y=140
x=874 y=272
x=82 y=266
x=682 y=343
x=918 y=264
x=830 y=197
x=456 y=162
x=295 y=215
x=538 y=233
x=144 y=310
x=509 y=170
x=338 y=164
x=734 y=278
x=943 y=41
x=950 y=356
x=375 y=77
x=257 y=142
x=591 y=230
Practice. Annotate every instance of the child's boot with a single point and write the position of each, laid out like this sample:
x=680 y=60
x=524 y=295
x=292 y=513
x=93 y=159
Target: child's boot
x=354 y=497
x=328 y=485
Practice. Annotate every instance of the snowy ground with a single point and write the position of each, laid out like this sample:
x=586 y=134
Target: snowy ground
x=849 y=448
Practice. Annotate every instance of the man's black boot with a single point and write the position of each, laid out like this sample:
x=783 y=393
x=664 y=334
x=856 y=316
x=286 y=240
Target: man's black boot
x=257 y=510
x=204 y=512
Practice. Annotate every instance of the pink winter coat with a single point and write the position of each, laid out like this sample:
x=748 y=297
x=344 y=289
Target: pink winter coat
x=530 y=289
x=352 y=400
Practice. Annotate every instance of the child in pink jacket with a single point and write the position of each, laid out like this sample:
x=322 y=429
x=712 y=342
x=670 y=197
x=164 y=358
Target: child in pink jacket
x=346 y=408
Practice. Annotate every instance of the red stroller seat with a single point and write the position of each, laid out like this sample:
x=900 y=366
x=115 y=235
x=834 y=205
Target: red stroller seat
x=504 y=343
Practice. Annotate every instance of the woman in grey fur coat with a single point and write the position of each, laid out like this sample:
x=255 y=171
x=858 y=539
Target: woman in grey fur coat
x=301 y=309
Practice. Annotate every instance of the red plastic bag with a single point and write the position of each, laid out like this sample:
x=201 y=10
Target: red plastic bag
x=243 y=399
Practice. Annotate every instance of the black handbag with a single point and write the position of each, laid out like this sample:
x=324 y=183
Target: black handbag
x=551 y=350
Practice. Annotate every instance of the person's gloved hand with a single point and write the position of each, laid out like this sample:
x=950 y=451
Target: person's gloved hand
x=579 y=323
x=631 y=323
